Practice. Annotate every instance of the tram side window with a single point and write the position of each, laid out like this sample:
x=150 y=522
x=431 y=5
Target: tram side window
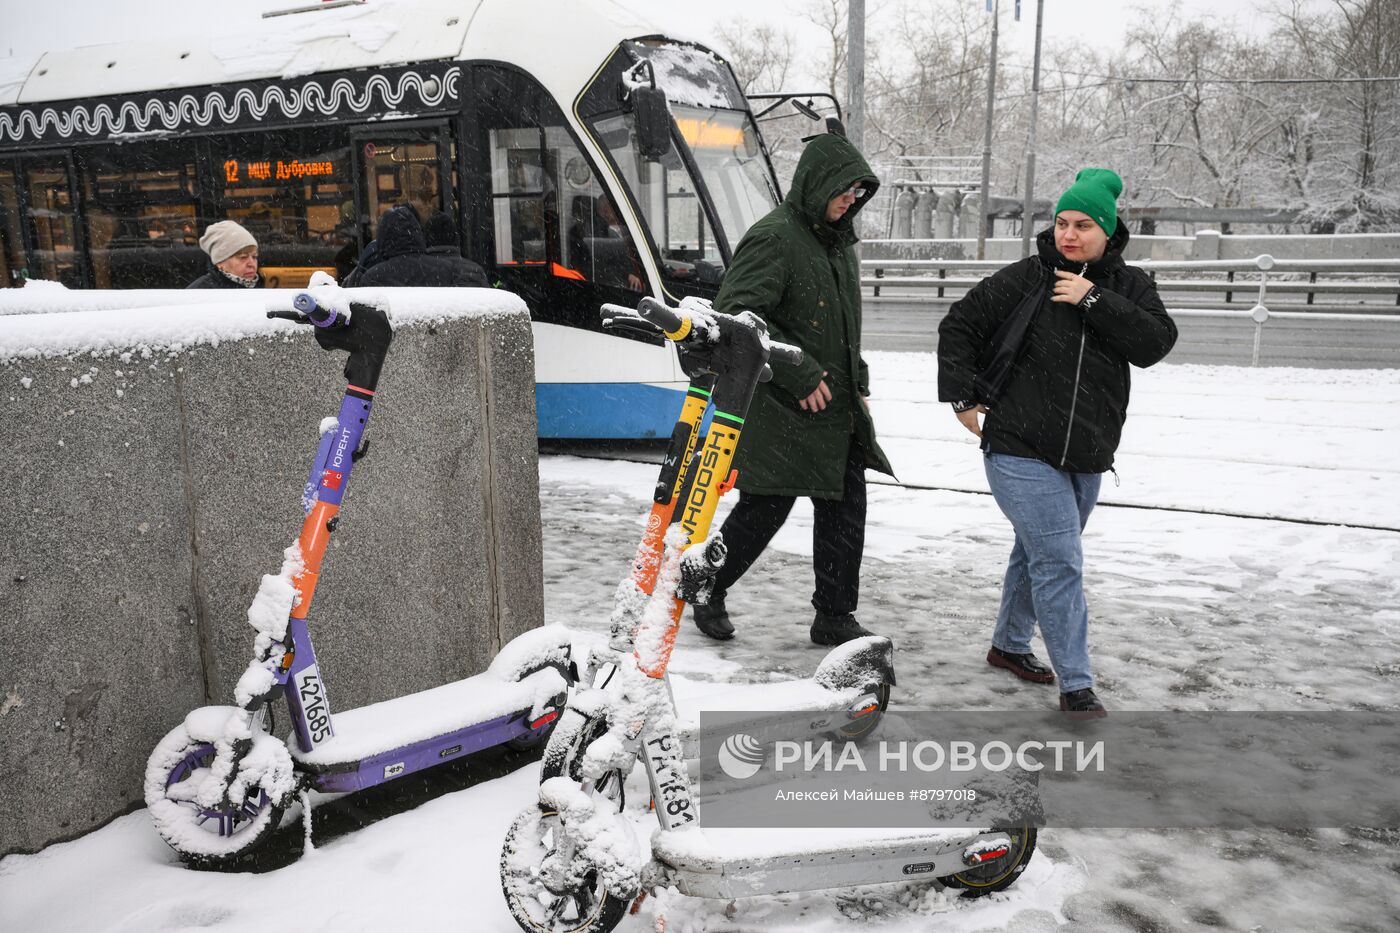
x=12 y=269
x=142 y=216
x=293 y=190
x=548 y=206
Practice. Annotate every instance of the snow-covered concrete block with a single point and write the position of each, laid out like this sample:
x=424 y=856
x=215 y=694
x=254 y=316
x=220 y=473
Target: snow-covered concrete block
x=154 y=459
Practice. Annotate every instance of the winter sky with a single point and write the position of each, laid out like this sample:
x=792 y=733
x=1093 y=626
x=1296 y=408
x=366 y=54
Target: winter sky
x=30 y=28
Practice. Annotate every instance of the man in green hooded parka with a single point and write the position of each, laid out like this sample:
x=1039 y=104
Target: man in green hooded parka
x=808 y=432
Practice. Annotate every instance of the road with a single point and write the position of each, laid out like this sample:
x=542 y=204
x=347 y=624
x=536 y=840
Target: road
x=912 y=326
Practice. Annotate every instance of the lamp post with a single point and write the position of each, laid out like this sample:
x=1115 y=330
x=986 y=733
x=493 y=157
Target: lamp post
x=1028 y=205
x=855 y=73
x=982 y=228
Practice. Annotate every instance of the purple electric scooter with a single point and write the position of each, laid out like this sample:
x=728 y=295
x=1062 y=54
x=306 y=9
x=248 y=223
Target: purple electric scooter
x=218 y=784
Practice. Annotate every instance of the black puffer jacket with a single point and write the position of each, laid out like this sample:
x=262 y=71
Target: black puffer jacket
x=1067 y=397
x=402 y=258
x=215 y=278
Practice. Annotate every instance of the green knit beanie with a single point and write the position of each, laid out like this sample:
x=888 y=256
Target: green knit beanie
x=1094 y=192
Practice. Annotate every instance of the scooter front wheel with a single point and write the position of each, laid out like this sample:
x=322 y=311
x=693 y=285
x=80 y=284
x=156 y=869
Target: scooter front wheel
x=545 y=887
x=208 y=837
x=997 y=874
x=564 y=756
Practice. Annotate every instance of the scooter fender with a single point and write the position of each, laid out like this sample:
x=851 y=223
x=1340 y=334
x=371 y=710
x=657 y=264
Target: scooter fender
x=861 y=663
x=602 y=840
x=548 y=646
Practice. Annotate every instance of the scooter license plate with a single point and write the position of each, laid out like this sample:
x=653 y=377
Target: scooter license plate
x=670 y=784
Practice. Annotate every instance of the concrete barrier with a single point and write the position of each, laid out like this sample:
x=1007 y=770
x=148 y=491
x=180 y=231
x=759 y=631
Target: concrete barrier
x=153 y=463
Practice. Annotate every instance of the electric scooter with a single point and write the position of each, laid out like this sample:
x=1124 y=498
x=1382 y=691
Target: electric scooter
x=568 y=862
x=218 y=784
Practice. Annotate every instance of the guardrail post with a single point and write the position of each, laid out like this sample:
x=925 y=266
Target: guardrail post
x=1312 y=280
x=1260 y=315
x=942 y=274
x=1259 y=312
x=1229 y=295
x=879 y=274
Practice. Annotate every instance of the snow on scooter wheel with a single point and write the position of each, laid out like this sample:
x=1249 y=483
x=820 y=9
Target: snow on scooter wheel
x=865 y=664
x=546 y=895
x=1000 y=873
x=214 y=837
x=572 y=735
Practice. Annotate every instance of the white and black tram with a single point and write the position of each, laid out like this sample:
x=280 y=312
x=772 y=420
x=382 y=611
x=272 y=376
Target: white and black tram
x=537 y=125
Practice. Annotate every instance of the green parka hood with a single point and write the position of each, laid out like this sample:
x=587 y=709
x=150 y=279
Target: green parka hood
x=828 y=166
x=802 y=276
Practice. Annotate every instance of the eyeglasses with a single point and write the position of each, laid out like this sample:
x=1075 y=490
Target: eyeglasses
x=856 y=193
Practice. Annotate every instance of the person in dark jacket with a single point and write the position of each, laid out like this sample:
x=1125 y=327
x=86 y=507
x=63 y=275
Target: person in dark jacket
x=808 y=432
x=1052 y=434
x=441 y=235
x=233 y=257
x=401 y=258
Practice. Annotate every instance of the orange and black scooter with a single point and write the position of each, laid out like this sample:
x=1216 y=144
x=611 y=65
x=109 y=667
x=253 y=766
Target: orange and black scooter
x=565 y=864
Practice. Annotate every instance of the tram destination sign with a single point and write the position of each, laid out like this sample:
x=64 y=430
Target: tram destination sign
x=262 y=171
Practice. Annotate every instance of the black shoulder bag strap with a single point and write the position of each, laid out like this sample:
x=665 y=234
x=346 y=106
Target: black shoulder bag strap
x=998 y=358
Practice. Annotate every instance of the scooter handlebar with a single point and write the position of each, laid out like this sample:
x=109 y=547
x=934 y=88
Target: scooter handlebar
x=321 y=314
x=663 y=317
x=784 y=352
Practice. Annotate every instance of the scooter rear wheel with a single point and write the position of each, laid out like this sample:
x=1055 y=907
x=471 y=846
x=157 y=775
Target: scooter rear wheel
x=998 y=874
x=858 y=729
x=542 y=905
x=205 y=838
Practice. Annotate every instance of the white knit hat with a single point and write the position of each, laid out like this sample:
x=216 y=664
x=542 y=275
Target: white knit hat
x=223 y=239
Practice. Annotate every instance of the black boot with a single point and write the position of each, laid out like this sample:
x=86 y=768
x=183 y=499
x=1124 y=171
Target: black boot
x=1025 y=666
x=1082 y=704
x=836 y=630
x=713 y=619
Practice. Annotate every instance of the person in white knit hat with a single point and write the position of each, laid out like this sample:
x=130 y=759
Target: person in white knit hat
x=233 y=257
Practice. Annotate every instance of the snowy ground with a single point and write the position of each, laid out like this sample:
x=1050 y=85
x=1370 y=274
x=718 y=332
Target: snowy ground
x=1190 y=610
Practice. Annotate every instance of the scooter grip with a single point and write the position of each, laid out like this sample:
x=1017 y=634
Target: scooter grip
x=322 y=315
x=660 y=315
x=784 y=352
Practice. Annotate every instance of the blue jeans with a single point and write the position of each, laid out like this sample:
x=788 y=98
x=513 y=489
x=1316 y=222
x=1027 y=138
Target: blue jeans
x=1044 y=581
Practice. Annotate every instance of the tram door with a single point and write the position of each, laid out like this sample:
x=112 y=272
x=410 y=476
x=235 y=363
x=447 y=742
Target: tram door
x=13 y=266
x=46 y=192
x=397 y=165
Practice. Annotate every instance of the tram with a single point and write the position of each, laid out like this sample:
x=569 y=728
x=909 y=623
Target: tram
x=585 y=157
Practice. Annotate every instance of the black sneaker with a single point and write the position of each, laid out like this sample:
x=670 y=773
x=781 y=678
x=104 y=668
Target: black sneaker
x=836 y=630
x=713 y=619
x=1082 y=704
x=1025 y=666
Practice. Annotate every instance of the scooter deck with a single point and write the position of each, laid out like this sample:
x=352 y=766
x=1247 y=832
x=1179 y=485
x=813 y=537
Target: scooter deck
x=479 y=711
x=733 y=863
x=695 y=697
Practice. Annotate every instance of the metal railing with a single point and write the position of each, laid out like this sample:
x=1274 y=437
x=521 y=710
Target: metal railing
x=1181 y=284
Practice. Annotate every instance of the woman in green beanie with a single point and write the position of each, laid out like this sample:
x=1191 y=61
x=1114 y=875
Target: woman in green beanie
x=1052 y=432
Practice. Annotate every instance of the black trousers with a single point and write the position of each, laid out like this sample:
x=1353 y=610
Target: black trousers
x=838 y=538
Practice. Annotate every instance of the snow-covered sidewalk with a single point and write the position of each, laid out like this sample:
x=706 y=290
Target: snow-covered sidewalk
x=1188 y=611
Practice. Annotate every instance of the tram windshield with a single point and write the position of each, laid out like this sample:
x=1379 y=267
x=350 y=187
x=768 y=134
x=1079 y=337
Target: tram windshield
x=732 y=175
x=725 y=146
x=713 y=181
